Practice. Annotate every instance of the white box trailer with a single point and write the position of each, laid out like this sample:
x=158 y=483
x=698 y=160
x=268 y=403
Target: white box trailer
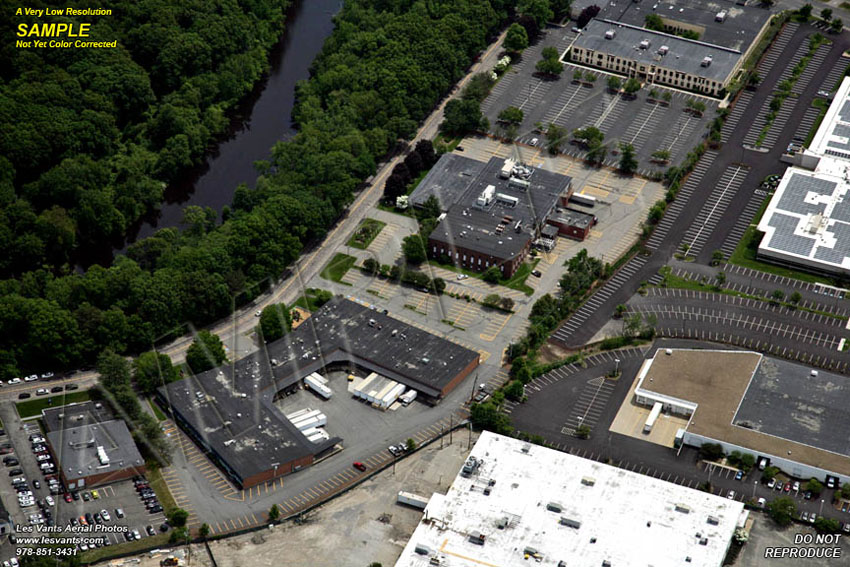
x=300 y=413
x=318 y=387
x=653 y=416
x=379 y=396
x=304 y=417
x=318 y=437
x=319 y=378
x=390 y=398
x=407 y=397
x=412 y=500
x=363 y=387
x=587 y=200
x=318 y=421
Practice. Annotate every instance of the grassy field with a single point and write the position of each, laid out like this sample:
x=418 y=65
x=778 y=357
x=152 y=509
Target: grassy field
x=366 y=233
x=309 y=300
x=32 y=408
x=159 y=540
x=157 y=412
x=162 y=492
x=337 y=267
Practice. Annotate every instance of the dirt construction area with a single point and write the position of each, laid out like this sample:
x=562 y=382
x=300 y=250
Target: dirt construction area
x=363 y=526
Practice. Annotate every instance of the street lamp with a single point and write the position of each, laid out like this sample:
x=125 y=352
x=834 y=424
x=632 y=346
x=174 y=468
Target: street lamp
x=755 y=484
x=821 y=508
x=617 y=366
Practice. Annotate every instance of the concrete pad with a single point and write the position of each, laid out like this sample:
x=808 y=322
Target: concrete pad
x=631 y=418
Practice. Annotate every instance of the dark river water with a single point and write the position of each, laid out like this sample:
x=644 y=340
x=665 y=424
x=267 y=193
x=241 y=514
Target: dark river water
x=259 y=122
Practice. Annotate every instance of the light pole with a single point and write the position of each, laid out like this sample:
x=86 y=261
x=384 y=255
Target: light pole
x=821 y=508
x=617 y=366
x=755 y=484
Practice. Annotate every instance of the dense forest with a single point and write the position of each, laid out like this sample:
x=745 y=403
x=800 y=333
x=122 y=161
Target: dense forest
x=90 y=137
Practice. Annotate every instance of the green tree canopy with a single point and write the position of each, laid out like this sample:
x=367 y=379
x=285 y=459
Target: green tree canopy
x=782 y=510
x=205 y=352
x=275 y=321
x=516 y=39
x=152 y=370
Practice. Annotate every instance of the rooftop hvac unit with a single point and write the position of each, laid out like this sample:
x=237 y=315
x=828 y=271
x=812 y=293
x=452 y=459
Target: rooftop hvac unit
x=644 y=44
x=663 y=50
x=706 y=61
x=588 y=481
x=507 y=199
x=721 y=16
x=610 y=34
x=554 y=507
x=102 y=456
x=486 y=196
x=570 y=523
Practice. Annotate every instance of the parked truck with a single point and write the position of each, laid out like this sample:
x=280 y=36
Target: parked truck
x=653 y=416
x=407 y=397
x=412 y=500
x=317 y=386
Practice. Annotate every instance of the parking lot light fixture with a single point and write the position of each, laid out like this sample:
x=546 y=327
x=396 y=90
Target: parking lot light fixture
x=820 y=513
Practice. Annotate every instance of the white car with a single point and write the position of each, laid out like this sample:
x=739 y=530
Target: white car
x=47 y=375
x=31 y=378
x=731 y=495
x=258 y=313
x=49 y=500
x=105 y=515
x=14 y=381
x=14 y=562
x=462 y=276
x=534 y=141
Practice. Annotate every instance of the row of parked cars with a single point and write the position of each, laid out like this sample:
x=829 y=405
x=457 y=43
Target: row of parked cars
x=45 y=391
x=30 y=378
x=147 y=495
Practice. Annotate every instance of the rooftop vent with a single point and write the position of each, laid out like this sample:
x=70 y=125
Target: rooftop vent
x=610 y=34
x=713 y=521
x=588 y=481
x=569 y=522
x=683 y=508
x=554 y=507
x=644 y=44
x=706 y=61
x=814 y=372
x=721 y=16
x=663 y=50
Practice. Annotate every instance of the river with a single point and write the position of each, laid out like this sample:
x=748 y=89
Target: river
x=259 y=122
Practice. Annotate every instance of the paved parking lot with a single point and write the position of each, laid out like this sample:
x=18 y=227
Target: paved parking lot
x=572 y=105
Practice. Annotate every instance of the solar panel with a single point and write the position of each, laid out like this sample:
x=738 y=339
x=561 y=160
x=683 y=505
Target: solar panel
x=784 y=238
x=844 y=113
x=798 y=187
x=841 y=250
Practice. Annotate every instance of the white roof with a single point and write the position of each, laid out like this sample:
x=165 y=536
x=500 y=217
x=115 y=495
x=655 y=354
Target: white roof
x=808 y=218
x=624 y=518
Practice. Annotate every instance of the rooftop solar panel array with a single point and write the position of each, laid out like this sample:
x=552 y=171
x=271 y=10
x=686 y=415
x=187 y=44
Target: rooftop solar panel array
x=798 y=187
x=841 y=211
x=844 y=113
x=842 y=245
x=784 y=237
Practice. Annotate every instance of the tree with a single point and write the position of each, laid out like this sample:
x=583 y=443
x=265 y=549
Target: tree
x=666 y=96
x=845 y=490
x=555 y=136
x=506 y=303
x=586 y=15
x=782 y=510
x=777 y=296
x=805 y=11
x=177 y=517
x=748 y=461
x=561 y=8
x=583 y=431
x=275 y=322
x=814 y=486
x=516 y=39
x=461 y=117
x=633 y=325
x=577 y=75
x=753 y=79
x=413 y=249
x=515 y=391
x=438 y=285
x=836 y=25
x=614 y=83
x=711 y=451
x=425 y=149
x=537 y=9
x=589 y=77
x=492 y=275
x=632 y=86
x=114 y=370
x=826 y=14
x=274 y=513
x=394 y=187
x=371 y=265
x=204 y=530
x=628 y=162
x=205 y=352
x=152 y=370
x=619 y=311
x=795 y=298
x=549 y=64
x=411 y=444
x=511 y=115
x=719 y=279
x=827 y=525
x=769 y=473
x=717 y=258
x=413 y=162
x=653 y=22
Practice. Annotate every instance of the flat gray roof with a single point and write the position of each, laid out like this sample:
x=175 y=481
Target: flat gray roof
x=475 y=228
x=447 y=180
x=737 y=31
x=231 y=407
x=76 y=449
x=683 y=55
x=785 y=400
x=76 y=415
x=574 y=218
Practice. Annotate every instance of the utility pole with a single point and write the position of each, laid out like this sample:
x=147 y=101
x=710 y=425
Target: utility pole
x=472 y=394
x=451 y=427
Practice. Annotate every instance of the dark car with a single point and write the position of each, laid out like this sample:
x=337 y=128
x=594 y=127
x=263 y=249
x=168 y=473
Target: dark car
x=536 y=273
x=150 y=530
x=163 y=527
x=75 y=495
x=156 y=509
x=98 y=519
x=128 y=536
x=11 y=462
x=8 y=458
x=24 y=395
x=16 y=472
x=36 y=483
x=55 y=389
x=71 y=387
x=89 y=518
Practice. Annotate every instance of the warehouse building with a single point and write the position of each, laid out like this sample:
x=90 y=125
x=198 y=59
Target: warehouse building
x=230 y=412
x=807 y=222
x=95 y=453
x=514 y=504
x=493 y=211
x=655 y=57
x=793 y=417
x=727 y=23
x=76 y=415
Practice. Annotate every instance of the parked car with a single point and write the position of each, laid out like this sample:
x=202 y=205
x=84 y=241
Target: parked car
x=11 y=462
x=31 y=378
x=86 y=496
x=14 y=381
x=359 y=466
x=71 y=387
x=24 y=395
x=739 y=475
x=787 y=487
x=150 y=530
x=796 y=486
x=95 y=494
x=731 y=495
x=41 y=392
x=536 y=273
x=119 y=513
x=55 y=389
x=771 y=483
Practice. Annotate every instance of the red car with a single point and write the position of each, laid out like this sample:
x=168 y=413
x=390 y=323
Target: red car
x=68 y=497
x=787 y=487
x=359 y=466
